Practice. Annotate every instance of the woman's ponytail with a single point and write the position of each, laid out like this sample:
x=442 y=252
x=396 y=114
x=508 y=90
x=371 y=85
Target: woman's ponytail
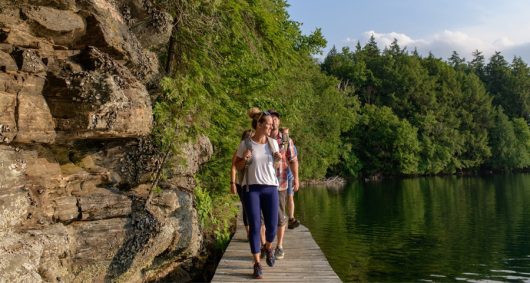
x=254 y=113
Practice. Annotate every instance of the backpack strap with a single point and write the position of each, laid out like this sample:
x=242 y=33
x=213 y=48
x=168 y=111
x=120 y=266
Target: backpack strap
x=277 y=164
x=248 y=144
x=271 y=142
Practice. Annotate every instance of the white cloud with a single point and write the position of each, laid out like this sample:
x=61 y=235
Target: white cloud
x=503 y=43
x=386 y=39
x=498 y=21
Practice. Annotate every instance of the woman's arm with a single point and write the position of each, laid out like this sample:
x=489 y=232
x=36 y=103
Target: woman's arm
x=233 y=175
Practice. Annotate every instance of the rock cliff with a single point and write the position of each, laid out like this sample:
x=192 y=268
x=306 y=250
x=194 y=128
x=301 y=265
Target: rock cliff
x=76 y=82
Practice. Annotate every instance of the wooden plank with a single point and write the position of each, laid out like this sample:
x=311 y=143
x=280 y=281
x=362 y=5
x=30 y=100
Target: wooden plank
x=303 y=262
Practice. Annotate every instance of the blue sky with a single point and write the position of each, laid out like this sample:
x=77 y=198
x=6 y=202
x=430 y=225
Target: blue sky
x=437 y=26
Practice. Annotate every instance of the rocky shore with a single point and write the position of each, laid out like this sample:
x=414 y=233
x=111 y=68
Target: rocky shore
x=334 y=182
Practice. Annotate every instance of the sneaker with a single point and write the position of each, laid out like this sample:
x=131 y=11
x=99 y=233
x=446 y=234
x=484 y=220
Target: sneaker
x=293 y=223
x=278 y=253
x=270 y=258
x=263 y=251
x=258 y=272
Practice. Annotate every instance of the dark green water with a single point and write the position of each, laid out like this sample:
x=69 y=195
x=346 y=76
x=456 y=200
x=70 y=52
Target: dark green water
x=425 y=229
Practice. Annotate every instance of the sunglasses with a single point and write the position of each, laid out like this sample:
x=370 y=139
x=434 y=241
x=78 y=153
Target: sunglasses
x=264 y=113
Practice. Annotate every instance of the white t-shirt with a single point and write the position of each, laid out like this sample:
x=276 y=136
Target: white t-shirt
x=261 y=170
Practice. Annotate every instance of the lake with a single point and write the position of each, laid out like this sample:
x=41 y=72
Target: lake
x=423 y=229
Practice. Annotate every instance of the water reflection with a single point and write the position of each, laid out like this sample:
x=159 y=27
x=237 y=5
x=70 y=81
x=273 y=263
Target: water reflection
x=428 y=229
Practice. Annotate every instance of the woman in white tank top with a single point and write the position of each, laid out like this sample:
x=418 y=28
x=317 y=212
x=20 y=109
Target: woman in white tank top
x=257 y=157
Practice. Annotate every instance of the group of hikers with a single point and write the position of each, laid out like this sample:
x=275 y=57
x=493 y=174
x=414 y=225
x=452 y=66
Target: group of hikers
x=265 y=176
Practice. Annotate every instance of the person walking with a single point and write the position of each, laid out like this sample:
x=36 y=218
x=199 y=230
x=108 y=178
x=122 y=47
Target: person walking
x=236 y=177
x=292 y=222
x=260 y=185
x=289 y=160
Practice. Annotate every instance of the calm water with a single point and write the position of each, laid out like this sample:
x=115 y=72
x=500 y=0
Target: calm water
x=427 y=229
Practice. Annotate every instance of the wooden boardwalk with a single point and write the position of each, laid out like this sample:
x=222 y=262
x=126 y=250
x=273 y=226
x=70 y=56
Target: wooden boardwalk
x=303 y=262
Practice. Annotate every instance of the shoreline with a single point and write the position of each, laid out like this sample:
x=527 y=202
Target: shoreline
x=332 y=182
x=337 y=181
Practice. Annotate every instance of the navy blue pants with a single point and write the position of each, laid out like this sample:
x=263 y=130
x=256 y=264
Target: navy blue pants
x=261 y=198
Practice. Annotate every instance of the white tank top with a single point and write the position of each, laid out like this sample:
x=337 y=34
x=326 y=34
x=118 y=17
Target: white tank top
x=261 y=170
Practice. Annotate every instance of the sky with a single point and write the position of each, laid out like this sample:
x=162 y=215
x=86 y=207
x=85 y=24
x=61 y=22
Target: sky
x=438 y=26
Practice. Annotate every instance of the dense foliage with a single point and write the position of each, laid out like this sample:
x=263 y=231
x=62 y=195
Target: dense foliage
x=427 y=116
x=228 y=56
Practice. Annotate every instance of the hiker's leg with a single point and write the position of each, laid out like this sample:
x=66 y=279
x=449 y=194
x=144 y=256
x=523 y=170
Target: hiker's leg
x=290 y=198
x=282 y=218
x=290 y=204
x=262 y=234
x=242 y=199
x=253 y=208
x=269 y=206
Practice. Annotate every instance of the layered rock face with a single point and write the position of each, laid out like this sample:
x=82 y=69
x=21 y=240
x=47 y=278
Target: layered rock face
x=75 y=160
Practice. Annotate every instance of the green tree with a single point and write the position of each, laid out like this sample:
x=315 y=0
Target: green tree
x=329 y=110
x=456 y=61
x=522 y=134
x=477 y=64
x=384 y=143
x=475 y=114
x=503 y=141
x=510 y=143
x=520 y=89
x=497 y=78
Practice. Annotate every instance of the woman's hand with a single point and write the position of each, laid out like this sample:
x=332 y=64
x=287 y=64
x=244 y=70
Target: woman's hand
x=247 y=155
x=296 y=184
x=233 y=188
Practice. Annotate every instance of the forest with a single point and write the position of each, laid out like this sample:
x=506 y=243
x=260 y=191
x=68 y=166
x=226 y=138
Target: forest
x=424 y=116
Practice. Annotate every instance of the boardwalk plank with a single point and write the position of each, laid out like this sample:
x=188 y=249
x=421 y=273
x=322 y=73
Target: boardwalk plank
x=303 y=262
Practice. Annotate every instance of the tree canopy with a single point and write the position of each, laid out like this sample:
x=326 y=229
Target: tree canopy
x=462 y=115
